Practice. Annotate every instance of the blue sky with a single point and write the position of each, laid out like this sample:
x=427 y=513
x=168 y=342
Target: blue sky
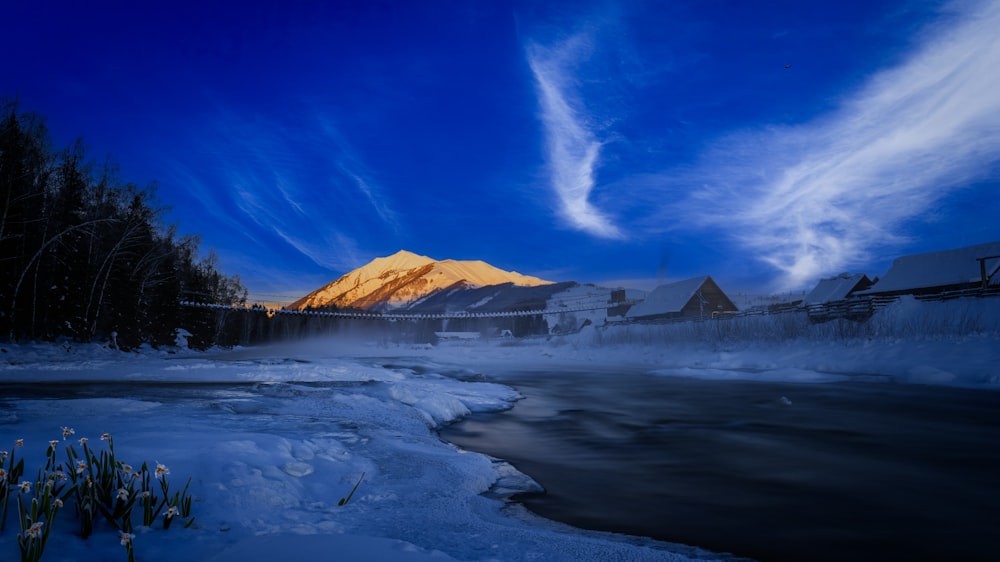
x=765 y=143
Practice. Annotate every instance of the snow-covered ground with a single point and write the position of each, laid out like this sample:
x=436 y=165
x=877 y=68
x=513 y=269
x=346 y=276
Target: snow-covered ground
x=274 y=437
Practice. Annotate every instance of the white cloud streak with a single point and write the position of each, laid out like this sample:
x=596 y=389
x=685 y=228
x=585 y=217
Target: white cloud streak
x=374 y=197
x=819 y=198
x=346 y=255
x=351 y=166
x=288 y=182
x=572 y=150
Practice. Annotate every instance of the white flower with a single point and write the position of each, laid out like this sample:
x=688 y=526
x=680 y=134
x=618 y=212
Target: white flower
x=161 y=471
x=35 y=531
x=25 y=487
x=126 y=538
x=3 y=475
x=80 y=466
x=171 y=513
x=67 y=431
x=83 y=441
x=105 y=436
x=19 y=443
x=122 y=494
x=52 y=444
x=58 y=503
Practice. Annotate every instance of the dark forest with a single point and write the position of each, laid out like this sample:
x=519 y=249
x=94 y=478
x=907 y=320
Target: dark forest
x=85 y=256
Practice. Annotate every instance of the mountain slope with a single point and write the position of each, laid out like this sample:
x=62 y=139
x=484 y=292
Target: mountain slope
x=404 y=277
x=492 y=298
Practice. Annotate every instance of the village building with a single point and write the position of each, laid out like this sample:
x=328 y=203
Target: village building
x=837 y=288
x=960 y=269
x=832 y=298
x=620 y=301
x=699 y=298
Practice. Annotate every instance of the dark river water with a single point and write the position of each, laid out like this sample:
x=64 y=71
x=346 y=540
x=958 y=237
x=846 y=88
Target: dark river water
x=771 y=471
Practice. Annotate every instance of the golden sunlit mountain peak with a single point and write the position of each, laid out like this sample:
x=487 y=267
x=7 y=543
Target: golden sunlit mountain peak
x=404 y=277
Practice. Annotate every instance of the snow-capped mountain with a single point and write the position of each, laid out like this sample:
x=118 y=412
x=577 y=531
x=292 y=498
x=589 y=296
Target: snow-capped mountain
x=404 y=277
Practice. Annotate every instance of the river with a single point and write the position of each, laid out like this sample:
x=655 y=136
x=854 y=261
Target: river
x=772 y=471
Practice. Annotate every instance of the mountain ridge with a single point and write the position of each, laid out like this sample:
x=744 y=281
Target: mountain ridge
x=398 y=280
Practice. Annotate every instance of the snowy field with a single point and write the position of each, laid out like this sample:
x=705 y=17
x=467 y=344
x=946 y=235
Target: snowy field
x=273 y=437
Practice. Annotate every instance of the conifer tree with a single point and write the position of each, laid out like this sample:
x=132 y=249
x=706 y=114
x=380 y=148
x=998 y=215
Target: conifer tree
x=84 y=259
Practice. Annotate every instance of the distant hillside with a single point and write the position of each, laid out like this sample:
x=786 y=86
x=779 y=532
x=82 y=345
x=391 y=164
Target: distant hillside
x=493 y=298
x=404 y=278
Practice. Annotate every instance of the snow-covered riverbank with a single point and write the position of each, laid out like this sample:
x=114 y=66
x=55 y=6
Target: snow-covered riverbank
x=272 y=440
x=274 y=437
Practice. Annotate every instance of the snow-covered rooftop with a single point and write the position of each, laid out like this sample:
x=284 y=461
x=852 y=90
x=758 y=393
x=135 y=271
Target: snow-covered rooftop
x=834 y=288
x=667 y=299
x=938 y=269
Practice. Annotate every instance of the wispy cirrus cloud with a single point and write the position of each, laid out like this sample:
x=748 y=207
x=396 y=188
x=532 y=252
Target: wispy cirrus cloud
x=352 y=167
x=288 y=182
x=373 y=195
x=819 y=198
x=572 y=149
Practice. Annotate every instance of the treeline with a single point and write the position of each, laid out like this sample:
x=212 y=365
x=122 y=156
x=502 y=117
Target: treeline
x=85 y=256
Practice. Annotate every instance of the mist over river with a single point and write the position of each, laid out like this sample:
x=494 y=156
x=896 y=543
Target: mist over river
x=855 y=470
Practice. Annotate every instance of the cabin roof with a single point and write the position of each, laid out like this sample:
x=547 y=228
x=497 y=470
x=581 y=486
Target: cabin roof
x=669 y=298
x=835 y=288
x=938 y=269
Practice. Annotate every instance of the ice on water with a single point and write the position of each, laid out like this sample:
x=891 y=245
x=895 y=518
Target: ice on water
x=273 y=438
x=272 y=445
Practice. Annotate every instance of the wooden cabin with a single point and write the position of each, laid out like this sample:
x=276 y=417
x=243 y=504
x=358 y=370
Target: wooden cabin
x=837 y=288
x=972 y=267
x=699 y=298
